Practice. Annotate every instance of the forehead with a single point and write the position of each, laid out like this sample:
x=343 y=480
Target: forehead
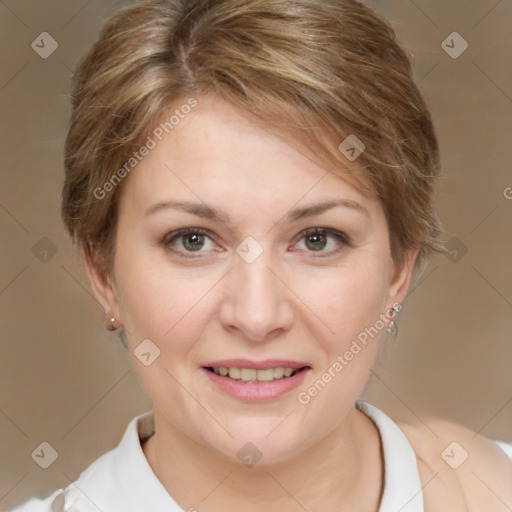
x=217 y=154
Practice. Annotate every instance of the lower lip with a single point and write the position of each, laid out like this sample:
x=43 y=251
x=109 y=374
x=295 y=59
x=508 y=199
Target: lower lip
x=257 y=391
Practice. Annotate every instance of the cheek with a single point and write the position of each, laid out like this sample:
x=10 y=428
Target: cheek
x=158 y=301
x=344 y=300
x=163 y=301
x=350 y=303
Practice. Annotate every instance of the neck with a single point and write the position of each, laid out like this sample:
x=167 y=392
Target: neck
x=344 y=471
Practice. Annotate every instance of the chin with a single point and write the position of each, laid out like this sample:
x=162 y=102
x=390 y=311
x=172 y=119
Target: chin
x=261 y=433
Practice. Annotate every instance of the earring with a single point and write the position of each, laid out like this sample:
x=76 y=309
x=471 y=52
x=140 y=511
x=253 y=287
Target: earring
x=392 y=327
x=110 y=324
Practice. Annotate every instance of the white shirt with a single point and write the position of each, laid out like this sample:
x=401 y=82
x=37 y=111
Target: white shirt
x=122 y=480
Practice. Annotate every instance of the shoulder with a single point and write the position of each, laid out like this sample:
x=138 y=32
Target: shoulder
x=52 y=503
x=96 y=481
x=92 y=481
x=120 y=480
x=459 y=467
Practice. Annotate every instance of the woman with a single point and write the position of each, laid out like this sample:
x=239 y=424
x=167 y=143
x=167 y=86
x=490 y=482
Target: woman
x=250 y=183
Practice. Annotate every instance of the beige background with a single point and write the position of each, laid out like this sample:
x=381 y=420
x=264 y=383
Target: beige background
x=66 y=381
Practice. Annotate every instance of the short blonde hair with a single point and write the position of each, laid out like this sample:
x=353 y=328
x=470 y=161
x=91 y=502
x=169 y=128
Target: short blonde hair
x=316 y=70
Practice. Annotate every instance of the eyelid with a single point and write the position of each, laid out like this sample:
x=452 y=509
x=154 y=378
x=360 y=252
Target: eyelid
x=175 y=235
x=343 y=238
x=334 y=233
x=326 y=231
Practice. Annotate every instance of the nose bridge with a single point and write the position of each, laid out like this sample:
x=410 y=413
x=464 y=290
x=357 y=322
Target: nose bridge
x=256 y=279
x=257 y=303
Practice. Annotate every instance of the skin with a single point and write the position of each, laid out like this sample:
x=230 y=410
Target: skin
x=298 y=300
x=481 y=482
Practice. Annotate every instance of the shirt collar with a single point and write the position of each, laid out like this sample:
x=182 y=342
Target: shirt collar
x=122 y=479
x=402 y=485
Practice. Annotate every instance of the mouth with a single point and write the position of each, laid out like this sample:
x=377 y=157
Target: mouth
x=254 y=375
x=255 y=381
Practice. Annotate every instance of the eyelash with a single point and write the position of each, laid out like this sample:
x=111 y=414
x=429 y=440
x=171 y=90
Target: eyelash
x=341 y=237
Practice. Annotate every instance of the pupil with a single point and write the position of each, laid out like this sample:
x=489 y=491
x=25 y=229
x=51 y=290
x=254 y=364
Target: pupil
x=317 y=237
x=197 y=239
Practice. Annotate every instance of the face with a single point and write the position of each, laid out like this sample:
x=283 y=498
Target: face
x=248 y=273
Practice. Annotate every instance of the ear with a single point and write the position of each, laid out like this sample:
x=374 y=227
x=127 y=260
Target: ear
x=400 y=278
x=102 y=285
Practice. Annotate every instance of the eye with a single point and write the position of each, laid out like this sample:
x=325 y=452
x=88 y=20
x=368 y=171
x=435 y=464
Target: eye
x=316 y=239
x=193 y=240
x=190 y=239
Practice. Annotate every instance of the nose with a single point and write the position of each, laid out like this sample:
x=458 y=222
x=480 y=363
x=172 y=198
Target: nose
x=256 y=305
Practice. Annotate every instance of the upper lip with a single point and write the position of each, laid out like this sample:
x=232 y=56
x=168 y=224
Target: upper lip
x=257 y=365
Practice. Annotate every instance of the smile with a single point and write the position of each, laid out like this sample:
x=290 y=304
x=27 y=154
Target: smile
x=253 y=375
x=254 y=382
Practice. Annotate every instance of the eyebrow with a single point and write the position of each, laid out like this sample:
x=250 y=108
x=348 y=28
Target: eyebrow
x=208 y=212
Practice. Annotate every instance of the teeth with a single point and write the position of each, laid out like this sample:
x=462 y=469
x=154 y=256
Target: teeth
x=265 y=374
x=278 y=373
x=252 y=375
x=234 y=373
x=246 y=374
